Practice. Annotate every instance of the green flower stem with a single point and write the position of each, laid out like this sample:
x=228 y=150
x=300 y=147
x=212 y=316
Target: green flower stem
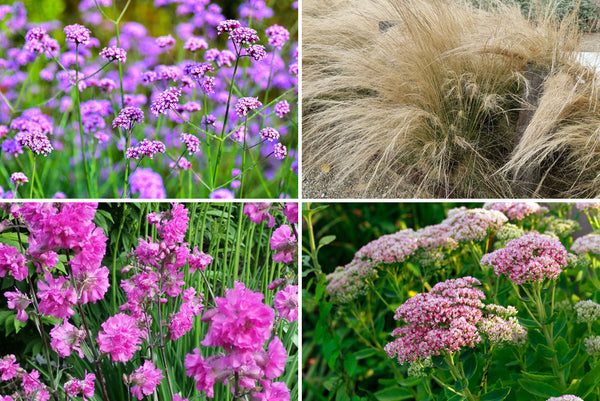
x=444 y=385
x=32 y=160
x=311 y=239
x=161 y=347
x=547 y=329
x=244 y=150
x=220 y=148
x=78 y=105
x=457 y=373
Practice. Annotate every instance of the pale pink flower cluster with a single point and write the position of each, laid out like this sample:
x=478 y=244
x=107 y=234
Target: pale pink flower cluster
x=588 y=206
x=348 y=282
x=241 y=324
x=449 y=318
x=516 y=210
x=592 y=345
x=566 y=397
x=473 y=224
x=533 y=257
x=587 y=311
x=588 y=243
x=391 y=248
x=435 y=237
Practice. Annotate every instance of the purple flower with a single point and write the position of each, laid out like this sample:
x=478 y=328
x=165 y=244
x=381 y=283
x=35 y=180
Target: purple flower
x=257 y=52
x=243 y=35
x=148 y=183
x=228 y=26
x=165 y=101
x=145 y=379
x=282 y=108
x=195 y=43
x=279 y=151
x=128 y=117
x=269 y=134
x=145 y=148
x=77 y=34
x=277 y=35
x=208 y=85
x=114 y=53
x=19 y=301
x=245 y=104
x=165 y=41
x=286 y=303
x=197 y=71
x=18 y=178
x=221 y=193
x=191 y=142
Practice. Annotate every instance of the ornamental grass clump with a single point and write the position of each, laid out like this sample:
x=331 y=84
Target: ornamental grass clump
x=174 y=285
x=440 y=98
x=100 y=108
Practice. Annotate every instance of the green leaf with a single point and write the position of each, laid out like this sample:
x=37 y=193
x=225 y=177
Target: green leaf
x=12 y=239
x=536 y=338
x=496 y=395
x=588 y=383
x=350 y=364
x=328 y=239
x=559 y=326
x=566 y=359
x=365 y=353
x=438 y=362
x=470 y=366
x=539 y=377
x=545 y=351
x=393 y=394
x=540 y=389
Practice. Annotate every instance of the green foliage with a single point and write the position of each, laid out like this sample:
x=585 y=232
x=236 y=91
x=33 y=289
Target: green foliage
x=343 y=354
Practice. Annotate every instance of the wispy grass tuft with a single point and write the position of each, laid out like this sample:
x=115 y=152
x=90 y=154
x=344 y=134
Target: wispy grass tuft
x=447 y=97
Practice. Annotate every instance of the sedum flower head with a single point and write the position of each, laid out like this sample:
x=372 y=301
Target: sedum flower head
x=592 y=345
x=533 y=257
x=449 y=318
x=516 y=210
x=587 y=311
x=473 y=224
x=588 y=243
